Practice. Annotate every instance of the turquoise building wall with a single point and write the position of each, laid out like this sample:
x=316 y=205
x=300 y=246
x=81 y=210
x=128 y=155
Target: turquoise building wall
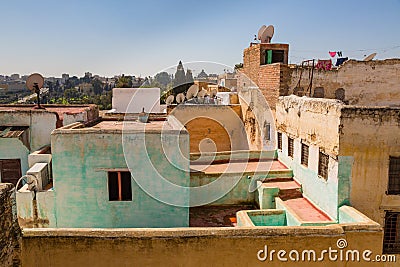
x=80 y=162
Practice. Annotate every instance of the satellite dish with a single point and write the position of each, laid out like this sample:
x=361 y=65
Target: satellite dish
x=169 y=100
x=266 y=34
x=260 y=31
x=213 y=93
x=34 y=83
x=33 y=80
x=202 y=93
x=370 y=57
x=180 y=98
x=192 y=92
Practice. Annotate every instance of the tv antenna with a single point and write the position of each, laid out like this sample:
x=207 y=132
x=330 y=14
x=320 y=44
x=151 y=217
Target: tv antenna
x=265 y=33
x=34 y=83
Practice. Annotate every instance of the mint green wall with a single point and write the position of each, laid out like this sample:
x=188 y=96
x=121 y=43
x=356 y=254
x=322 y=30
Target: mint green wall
x=80 y=181
x=244 y=186
x=321 y=192
x=344 y=176
x=260 y=219
x=13 y=148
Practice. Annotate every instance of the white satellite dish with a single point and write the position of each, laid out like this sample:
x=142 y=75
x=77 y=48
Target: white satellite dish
x=180 y=98
x=370 y=57
x=192 y=92
x=34 y=83
x=213 y=93
x=260 y=31
x=169 y=100
x=266 y=34
x=202 y=93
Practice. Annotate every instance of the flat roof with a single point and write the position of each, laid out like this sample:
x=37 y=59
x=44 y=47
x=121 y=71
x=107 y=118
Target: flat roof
x=115 y=126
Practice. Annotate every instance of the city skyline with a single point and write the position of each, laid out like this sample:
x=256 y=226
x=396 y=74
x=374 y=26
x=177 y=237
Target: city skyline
x=142 y=39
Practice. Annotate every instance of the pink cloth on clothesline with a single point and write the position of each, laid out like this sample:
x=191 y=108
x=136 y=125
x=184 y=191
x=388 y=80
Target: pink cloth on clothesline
x=324 y=64
x=333 y=54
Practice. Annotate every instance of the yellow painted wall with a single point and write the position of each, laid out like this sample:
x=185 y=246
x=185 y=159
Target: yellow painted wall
x=371 y=136
x=189 y=246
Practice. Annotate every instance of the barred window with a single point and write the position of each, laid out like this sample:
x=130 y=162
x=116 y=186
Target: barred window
x=280 y=141
x=394 y=176
x=119 y=186
x=323 y=165
x=290 y=147
x=304 y=154
x=391 y=236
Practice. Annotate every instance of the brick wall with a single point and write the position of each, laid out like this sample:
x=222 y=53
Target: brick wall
x=9 y=229
x=272 y=79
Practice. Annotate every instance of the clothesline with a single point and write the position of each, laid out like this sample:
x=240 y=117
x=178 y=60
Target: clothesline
x=384 y=49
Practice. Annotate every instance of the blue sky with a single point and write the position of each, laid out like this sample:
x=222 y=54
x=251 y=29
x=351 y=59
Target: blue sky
x=144 y=37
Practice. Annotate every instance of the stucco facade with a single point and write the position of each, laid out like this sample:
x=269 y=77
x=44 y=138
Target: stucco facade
x=83 y=157
x=358 y=140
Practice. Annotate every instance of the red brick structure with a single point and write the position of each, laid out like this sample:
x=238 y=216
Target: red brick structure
x=267 y=65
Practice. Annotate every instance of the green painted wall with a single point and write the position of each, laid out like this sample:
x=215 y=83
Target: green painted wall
x=324 y=193
x=344 y=176
x=80 y=181
x=268 y=219
x=13 y=148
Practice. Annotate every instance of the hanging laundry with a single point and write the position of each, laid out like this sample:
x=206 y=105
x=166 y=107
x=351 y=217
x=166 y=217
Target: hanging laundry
x=341 y=60
x=332 y=54
x=339 y=53
x=324 y=64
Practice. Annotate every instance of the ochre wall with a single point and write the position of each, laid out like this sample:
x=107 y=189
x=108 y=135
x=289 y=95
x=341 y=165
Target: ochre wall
x=222 y=124
x=369 y=83
x=190 y=246
x=371 y=136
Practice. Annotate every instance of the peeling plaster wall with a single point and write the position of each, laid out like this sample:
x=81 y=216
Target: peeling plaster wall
x=371 y=83
x=80 y=162
x=371 y=135
x=257 y=114
x=314 y=122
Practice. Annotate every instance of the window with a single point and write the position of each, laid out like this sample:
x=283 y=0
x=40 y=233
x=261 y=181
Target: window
x=290 y=147
x=323 y=165
x=280 y=141
x=304 y=154
x=267 y=131
x=391 y=236
x=10 y=170
x=394 y=176
x=119 y=186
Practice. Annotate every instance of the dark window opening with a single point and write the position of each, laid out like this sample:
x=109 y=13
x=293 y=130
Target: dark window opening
x=323 y=165
x=280 y=141
x=10 y=170
x=273 y=56
x=394 y=176
x=290 y=147
x=119 y=186
x=304 y=154
x=391 y=236
x=267 y=131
